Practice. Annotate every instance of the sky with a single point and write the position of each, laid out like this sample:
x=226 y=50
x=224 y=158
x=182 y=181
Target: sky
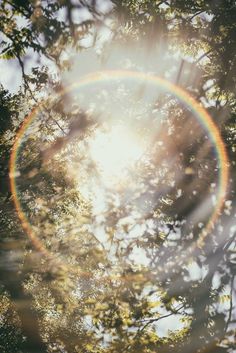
x=11 y=78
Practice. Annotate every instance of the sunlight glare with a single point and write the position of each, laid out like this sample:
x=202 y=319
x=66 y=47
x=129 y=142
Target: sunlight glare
x=115 y=152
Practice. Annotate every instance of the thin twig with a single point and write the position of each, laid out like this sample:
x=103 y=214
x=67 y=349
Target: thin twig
x=231 y=305
x=160 y=318
x=203 y=56
x=196 y=14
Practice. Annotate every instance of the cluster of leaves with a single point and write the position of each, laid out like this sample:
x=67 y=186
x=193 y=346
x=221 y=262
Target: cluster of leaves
x=87 y=307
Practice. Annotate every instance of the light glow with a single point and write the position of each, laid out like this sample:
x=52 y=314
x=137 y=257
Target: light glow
x=115 y=152
x=137 y=77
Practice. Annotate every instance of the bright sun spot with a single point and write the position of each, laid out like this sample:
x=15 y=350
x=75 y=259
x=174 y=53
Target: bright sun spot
x=115 y=151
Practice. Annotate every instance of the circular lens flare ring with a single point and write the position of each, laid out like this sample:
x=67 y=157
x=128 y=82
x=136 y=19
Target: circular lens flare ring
x=105 y=76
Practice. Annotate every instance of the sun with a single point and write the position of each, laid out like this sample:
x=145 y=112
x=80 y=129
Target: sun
x=115 y=152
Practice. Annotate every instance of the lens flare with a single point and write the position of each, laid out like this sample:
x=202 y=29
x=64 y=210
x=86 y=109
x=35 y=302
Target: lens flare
x=115 y=159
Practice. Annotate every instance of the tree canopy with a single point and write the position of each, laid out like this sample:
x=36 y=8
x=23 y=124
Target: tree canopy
x=117 y=176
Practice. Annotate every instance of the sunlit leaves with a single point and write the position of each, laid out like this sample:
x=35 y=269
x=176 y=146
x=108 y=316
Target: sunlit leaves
x=94 y=304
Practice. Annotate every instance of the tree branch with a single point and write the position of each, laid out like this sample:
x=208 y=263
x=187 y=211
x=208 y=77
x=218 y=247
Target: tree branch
x=160 y=318
x=231 y=304
x=196 y=14
x=203 y=55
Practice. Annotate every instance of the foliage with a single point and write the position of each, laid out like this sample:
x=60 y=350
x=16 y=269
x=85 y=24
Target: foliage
x=88 y=294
